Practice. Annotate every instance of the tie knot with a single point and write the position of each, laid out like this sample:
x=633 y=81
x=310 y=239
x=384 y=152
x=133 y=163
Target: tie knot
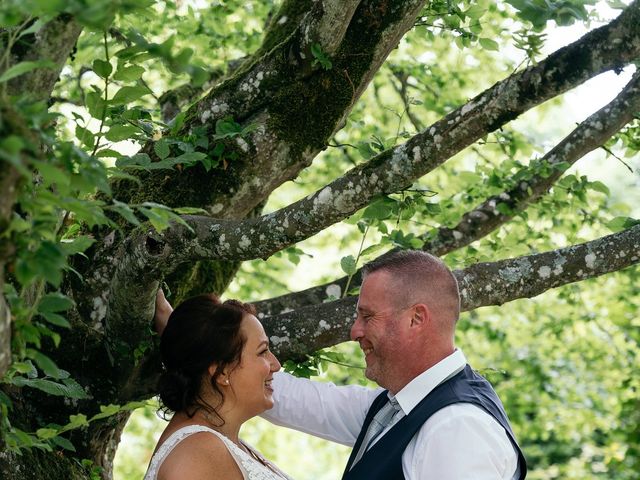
x=394 y=403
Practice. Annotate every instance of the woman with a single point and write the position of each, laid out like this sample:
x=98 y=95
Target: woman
x=217 y=375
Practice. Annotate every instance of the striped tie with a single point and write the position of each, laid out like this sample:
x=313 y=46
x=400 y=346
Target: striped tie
x=386 y=416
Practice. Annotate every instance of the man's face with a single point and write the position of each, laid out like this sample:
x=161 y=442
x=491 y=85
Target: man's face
x=381 y=328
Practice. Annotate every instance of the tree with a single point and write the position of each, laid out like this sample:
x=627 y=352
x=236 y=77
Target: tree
x=86 y=246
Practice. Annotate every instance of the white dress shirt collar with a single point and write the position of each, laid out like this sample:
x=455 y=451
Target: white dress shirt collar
x=423 y=384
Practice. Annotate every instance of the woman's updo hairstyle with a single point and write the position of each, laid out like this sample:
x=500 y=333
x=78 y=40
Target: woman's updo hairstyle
x=200 y=331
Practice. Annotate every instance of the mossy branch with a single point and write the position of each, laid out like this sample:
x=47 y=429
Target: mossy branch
x=485 y=218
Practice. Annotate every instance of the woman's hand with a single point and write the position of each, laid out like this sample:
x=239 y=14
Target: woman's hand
x=163 y=310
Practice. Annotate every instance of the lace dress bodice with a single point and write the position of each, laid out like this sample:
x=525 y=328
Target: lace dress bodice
x=251 y=468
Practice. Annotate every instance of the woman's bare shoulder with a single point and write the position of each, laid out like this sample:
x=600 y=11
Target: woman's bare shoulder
x=201 y=456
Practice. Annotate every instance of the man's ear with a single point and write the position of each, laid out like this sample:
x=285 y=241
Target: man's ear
x=420 y=315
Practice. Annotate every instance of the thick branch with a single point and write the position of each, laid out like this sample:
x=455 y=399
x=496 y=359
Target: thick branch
x=54 y=42
x=280 y=86
x=396 y=168
x=481 y=285
x=11 y=123
x=485 y=218
x=329 y=26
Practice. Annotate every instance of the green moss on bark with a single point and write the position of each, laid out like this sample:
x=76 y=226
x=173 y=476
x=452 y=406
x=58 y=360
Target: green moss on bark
x=284 y=23
x=201 y=277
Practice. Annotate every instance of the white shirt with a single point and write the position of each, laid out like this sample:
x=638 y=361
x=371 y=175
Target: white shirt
x=458 y=442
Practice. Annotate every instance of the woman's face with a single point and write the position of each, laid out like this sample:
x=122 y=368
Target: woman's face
x=250 y=381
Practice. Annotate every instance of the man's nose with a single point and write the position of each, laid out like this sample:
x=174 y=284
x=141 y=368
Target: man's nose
x=356 y=329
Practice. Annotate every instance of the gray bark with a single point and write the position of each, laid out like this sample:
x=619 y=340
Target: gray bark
x=54 y=42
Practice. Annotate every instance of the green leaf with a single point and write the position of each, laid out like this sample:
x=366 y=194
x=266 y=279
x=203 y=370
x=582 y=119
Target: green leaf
x=226 y=127
x=125 y=211
x=489 y=44
x=76 y=421
x=25 y=367
x=622 y=223
x=475 y=11
x=85 y=137
x=95 y=104
x=158 y=218
x=47 y=365
x=190 y=211
x=348 y=265
x=108 y=153
x=129 y=74
x=38 y=24
x=77 y=245
x=129 y=94
x=24 y=67
x=161 y=147
x=191 y=157
x=102 y=68
x=63 y=443
x=469 y=177
x=52 y=175
x=379 y=210
x=599 y=187
x=69 y=388
x=117 y=133
x=106 y=411
x=46 y=433
x=371 y=249
x=55 y=319
x=320 y=57
x=54 y=302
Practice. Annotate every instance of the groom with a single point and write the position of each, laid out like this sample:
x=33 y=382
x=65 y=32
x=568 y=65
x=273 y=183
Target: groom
x=434 y=417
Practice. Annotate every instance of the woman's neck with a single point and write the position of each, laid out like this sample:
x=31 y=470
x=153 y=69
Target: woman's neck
x=227 y=423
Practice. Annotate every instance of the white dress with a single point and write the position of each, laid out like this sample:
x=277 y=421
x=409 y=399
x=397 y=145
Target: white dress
x=251 y=468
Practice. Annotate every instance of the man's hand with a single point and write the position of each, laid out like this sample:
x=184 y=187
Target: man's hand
x=163 y=310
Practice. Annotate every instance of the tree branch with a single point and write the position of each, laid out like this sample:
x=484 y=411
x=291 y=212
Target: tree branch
x=482 y=284
x=54 y=42
x=282 y=85
x=11 y=178
x=396 y=168
x=543 y=173
x=483 y=219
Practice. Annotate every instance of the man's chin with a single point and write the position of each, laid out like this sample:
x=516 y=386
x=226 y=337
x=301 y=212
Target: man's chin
x=370 y=373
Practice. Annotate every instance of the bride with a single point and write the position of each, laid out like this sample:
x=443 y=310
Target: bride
x=217 y=374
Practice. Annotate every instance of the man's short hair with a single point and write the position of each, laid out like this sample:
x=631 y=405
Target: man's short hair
x=420 y=277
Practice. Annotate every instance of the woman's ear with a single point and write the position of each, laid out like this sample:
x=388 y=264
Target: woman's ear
x=223 y=378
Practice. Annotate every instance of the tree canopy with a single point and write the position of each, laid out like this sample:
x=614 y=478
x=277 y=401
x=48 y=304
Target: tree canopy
x=192 y=145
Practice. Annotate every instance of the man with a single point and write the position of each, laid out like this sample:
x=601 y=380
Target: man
x=436 y=418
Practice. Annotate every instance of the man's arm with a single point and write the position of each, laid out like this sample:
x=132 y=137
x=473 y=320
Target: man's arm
x=325 y=410
x=460 y=442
